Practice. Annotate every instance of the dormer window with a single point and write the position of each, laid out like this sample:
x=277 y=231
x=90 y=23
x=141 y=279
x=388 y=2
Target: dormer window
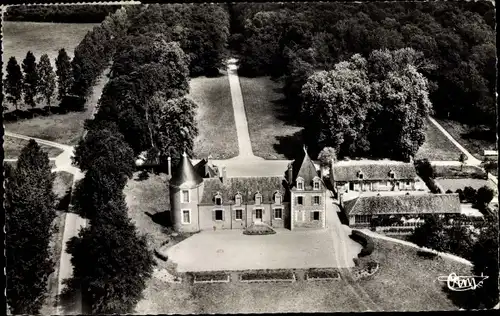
x=277 y=198
x=258 y=198
x=360 y=175
x=218 y=199
x=237 y=199
x=300 y=184
x=391 y=174
x=316 y=183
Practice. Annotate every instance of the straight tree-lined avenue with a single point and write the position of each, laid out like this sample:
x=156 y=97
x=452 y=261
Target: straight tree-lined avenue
x=245 y=164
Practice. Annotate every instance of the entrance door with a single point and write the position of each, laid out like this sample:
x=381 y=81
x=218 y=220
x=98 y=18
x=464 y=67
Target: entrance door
x=258 y=215
x=351 y=186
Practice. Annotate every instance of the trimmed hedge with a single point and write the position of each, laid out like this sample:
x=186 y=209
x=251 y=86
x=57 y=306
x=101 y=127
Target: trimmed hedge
x=365 y=240
x=210 y=276
x=267 y=275
x=259 y=230
x=322 y=274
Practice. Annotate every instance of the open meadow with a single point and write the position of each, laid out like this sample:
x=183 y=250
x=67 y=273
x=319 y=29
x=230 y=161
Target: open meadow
x=21 y=37
x=272 y=132
x=405 y=282
x=12 y=148
x=437 y=146
x=215 y=117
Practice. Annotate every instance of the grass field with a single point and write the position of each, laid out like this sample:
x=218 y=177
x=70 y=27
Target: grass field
x=215 y=118
x=61 y=128
x=474 y=139
x=437 y=146
x=149 y=196
x=405 y=282
x=41 y=38
x=272 y=134
x=12 y=148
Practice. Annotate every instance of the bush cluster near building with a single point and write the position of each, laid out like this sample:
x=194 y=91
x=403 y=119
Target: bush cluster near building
x=456 y=39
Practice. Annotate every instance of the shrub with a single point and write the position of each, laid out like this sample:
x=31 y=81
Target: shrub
x=267 y=275
x=259 y=230
x=363 y=239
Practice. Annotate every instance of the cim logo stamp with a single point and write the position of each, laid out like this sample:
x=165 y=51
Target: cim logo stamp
x=463 y=283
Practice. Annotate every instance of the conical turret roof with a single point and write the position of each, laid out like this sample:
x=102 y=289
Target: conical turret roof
x=185 y=174
x=304 y=168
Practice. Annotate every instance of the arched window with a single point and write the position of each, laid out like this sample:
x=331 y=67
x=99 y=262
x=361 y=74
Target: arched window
x=218 y=199
x=360 y=175
x=277 y=198
x=237 y=199
x=258 y=198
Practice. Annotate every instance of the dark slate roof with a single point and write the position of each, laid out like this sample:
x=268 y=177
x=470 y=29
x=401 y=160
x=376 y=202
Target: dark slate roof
x=206 y=169
x=304 y=168
x=185 y=173
x=247 y=186
x=374 y=171
x=404 y=204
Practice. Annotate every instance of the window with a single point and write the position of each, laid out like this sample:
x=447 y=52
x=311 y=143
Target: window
x=391 y=175
x=407 y=182
x=362 y=219
x=258 y=213
x=360 y=176
x=237 y=199
x=218 y=201
x=277 y=198
x=258 y=199
x=186 y=216
x=278 y=213
x=316 y=216
x=185 y=196
x=316 y=200
x=300 y=184
x=300 y=200
x=238 y=214
x=219 y=215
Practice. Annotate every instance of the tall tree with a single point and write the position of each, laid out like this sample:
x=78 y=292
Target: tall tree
x=335 y=106
x=105 y=148
x=432 y=234
x=64 y=74
x=30 y=79
x=47 y=79
x=29 y=215
x=111 y=261
x=13 y=83
x=485 y=260
x=173 y=125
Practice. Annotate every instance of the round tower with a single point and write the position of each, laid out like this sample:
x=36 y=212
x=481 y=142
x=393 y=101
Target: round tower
x=186 y=187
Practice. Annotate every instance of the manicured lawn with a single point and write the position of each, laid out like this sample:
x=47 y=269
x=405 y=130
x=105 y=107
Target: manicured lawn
x=61 y=128
x=12 y=148
x=405 y=281
x=272 y=133
x=215 y=118
x=41 y=38
x=437 y=146
x=459 y=172
x=149 y=196
x=473 y=138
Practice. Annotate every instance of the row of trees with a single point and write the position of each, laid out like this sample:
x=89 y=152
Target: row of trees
x=481 y=248
x=456 y=39
x=89 y=13
x=37 y=81
x=30 y=212
x=368 y=107
x=120 y=261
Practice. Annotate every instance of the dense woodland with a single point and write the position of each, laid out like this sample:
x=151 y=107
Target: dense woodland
x=457 y=40
x=60 y=14
x=350 y=73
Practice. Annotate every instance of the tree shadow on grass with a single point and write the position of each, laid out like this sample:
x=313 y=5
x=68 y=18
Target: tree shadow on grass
x=461 y=299
x=290 y=145
x=71 y=301
x=161 y=218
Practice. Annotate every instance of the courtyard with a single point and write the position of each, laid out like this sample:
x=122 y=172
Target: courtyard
x=230 y=250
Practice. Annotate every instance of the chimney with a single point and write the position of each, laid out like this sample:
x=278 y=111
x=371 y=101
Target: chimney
x=341 y=199
x=223 y=175
x=169 y=166
x=290 y=174
x=209 y=160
